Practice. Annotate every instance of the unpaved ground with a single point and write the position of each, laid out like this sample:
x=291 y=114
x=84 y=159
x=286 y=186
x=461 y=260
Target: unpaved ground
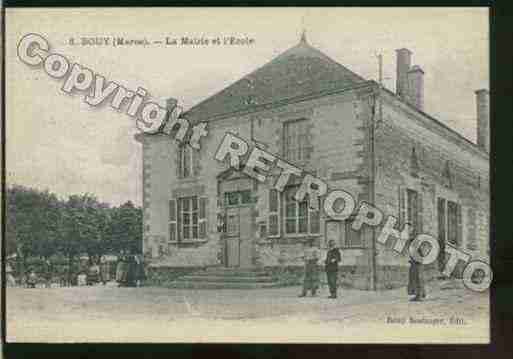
x=111 y=314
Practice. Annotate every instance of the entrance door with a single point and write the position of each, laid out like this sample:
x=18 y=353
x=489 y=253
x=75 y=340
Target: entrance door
x=245 y=220
x=238 y=236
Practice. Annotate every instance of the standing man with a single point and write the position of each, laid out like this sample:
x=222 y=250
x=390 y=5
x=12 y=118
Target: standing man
x=311 y=280
x=332 y=260
x=416 y=279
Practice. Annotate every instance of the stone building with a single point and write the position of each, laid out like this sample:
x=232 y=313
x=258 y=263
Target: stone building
x=306 y=108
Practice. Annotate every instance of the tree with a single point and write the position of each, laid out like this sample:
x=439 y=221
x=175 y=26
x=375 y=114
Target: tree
x=84 y=227
x=125 y=230
x=39 y=225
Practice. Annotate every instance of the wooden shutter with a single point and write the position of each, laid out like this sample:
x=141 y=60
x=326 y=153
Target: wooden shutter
x=179 y=161
x=402 y=205
x=459 y=226
x=173 y=226
x=308 y=140
x=441 y=232
x=203 y=201
x=314 y=220
x=420 y=213
x=471 y=232
x=196 y=161
x=274 y=213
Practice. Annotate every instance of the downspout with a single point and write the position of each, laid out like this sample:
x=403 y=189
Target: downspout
x=372 y=182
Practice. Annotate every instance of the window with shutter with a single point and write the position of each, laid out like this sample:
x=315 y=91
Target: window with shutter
x=274 y=213
x=173 y=228
x=188 y=218
x=353 y=238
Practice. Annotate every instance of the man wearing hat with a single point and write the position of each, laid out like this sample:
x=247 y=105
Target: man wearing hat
x=331 y=266
x=311 y=278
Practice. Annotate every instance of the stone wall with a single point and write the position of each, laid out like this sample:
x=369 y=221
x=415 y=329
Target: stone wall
x=339 y=156
x=446 y=166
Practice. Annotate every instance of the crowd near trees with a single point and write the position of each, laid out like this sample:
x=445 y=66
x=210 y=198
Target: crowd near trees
x=41 y=226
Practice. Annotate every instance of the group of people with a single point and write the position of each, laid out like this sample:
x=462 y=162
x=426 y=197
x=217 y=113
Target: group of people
x=312 y=275
x=129 y=271
x=311 y=279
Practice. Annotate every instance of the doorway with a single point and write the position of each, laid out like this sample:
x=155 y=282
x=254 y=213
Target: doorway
x=239 y=229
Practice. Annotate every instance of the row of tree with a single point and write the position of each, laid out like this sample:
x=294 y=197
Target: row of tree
x=40 y=225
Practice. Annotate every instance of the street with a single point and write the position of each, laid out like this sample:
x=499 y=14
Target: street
x=149 y=314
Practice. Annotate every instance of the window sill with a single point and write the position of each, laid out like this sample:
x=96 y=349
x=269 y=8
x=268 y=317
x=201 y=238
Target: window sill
x=301 y=235
x=188 y=179
x=187 y=241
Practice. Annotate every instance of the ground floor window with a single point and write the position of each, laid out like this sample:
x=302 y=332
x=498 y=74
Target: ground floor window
x=449 y=222
x=189 y=217
x=343 y=234
x=298 y=217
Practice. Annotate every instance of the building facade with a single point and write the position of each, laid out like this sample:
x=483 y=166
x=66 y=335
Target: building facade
x=355 y=135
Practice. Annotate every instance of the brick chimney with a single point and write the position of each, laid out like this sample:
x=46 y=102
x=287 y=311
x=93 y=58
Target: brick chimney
x=483 y=119
x=416 y=87
x=409 y=80
x=403 y=66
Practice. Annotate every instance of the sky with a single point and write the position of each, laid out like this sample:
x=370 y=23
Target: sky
x=57 y=142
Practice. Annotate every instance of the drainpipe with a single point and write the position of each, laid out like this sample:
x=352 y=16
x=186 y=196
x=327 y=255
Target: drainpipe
x=372 y=181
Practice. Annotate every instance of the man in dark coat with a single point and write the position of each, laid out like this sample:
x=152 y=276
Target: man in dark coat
x=331 y=266
x=416 y=281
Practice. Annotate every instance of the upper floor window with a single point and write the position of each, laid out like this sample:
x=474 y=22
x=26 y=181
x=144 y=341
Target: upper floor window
x=414 y=164
x=297 y=146
x=185 y=161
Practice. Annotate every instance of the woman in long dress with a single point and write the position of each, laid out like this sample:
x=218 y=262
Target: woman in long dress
x=104 y=270
x=121 y=270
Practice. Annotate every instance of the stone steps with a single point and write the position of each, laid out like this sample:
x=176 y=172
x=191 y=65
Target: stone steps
x=222 y=285
x=233 y=273
x=231 y=279
x=226 y=278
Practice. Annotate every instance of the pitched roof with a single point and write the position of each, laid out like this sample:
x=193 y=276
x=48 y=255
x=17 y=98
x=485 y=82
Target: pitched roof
x=301 y=70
